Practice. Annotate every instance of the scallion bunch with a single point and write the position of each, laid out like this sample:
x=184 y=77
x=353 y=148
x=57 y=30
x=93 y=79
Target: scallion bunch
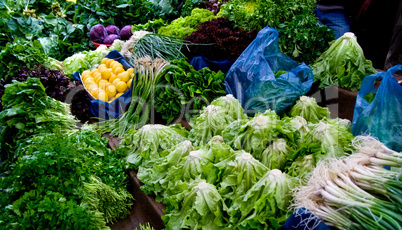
x=356 y=192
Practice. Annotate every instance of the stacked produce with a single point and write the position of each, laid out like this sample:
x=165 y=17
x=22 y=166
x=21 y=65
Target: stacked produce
x=107 y=35
x=51 y=169
x=242 y=179
x=109 y=81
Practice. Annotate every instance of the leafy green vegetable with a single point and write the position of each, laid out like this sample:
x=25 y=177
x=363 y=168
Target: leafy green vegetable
x=182 y=89
x=119 y=13
x=302 y=167
x=151 y=26
x=153 y=176
x=20 y=53
x=265 y=205
x=333 y=138
x=239 y=173
x=54 y=176
x=307 y=108
x=144 y=144
x=303 y=37
x=255 y=135
x=202 y=207
x=184 y=26
x=87 y=59
x=104 y=198
x=343 y=64
x=274 y=156
x=29 y=111
x=210 y=123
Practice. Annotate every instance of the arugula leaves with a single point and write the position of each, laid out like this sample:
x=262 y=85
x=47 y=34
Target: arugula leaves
x=183 y=86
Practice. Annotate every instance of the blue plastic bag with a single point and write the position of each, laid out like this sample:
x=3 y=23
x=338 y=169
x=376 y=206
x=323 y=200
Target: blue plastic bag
x=382 y=117
x=118 y=106
x=251 y=79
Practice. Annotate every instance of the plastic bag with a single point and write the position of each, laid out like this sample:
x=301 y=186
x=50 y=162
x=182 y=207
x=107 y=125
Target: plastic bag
x=118 y=106
x=251 y=79
x=382 y=117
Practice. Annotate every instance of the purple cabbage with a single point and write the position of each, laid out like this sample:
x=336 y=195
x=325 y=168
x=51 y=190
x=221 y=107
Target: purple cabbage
x=110 y=38
x=125 y=32
x=112 y=29
x=97 y=33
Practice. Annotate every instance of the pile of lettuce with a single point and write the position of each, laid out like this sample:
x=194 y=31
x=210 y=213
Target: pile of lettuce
x=233 y=171
x=343 y=64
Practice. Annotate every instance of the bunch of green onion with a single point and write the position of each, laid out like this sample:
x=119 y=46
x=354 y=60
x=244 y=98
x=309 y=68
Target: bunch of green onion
x=356 y=192
x=149 y=72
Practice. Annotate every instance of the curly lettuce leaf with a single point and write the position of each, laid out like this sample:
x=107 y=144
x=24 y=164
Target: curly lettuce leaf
x=145 y=144
x=202 y=208
x=265 y=205
x=308 y=108
x=343 y=64
x=235 y=110
x=239 y=173
x=274 y=156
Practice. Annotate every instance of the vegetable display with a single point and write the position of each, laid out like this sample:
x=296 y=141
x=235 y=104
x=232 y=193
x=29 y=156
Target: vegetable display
x=343 y=64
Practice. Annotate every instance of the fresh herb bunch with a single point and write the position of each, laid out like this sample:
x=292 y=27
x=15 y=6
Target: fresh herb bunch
x=184 y=26
x=182 y=86
x=302 y=36
x=119 y=12
x=29 y=111
x=66 y=171
x=220 y=38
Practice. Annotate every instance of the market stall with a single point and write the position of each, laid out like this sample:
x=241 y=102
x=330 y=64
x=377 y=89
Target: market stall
x=137 y=114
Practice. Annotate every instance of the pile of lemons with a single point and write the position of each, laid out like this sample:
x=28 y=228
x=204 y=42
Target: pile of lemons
x=109 y=81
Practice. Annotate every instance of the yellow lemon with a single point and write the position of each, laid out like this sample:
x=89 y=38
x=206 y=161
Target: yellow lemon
x=130 y=70
x=129 y=83
x=106 y=73
x=89 y=81
x=92 y=86
x=85 y=73
x=98 y=79
x=117 y=80
x=112 y=77
x=116 y=64
x=102 y=68
x=118 y=95
x=103 y=96
x=111 y=90
x=94 y=92
x=121 y=87
x=83 y=78
x=118 y=70
x=104 y=60
x=102 y=65
x=108 y=62
x=123 y=76
x=94 y=70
